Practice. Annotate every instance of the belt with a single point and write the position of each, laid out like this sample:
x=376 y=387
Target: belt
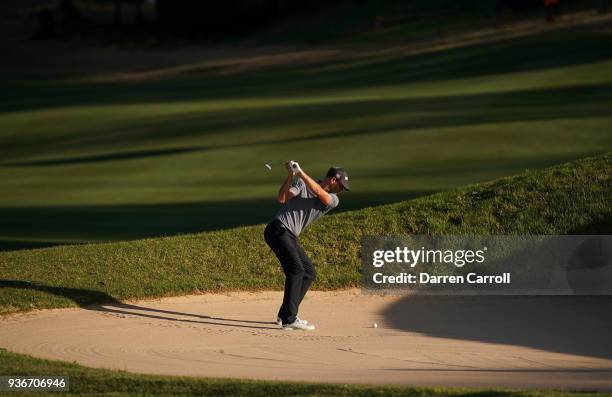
x=282 y=226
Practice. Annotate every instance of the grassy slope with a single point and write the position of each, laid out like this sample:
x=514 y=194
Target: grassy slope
x=88 y=381
x=569 y=199
x=99 y=162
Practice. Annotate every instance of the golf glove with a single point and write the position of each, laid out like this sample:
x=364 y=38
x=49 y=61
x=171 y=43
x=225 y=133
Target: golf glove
x=295 y=167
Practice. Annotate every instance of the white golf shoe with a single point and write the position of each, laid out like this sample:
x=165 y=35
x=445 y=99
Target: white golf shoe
x=299 y=324
x=279 y=321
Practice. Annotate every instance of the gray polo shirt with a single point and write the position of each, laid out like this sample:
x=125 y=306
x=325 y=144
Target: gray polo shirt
x=304 y=208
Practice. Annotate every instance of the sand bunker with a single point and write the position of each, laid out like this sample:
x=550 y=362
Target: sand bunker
x=511 y=342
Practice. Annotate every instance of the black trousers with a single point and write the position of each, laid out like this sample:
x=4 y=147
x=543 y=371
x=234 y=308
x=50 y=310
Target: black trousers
x=299 y=270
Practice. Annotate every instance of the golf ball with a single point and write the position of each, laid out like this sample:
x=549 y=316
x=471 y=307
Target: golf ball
x=375 y=325
x=268 y=166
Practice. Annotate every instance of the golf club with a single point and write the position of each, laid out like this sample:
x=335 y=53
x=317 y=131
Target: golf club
x=269 y=165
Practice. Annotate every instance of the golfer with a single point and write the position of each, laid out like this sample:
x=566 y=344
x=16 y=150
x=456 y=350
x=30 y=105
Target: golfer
x=304 y=201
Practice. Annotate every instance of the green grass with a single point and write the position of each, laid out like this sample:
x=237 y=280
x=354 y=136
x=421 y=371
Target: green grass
x=573 y=198
x=84 y=162
x=89 y=381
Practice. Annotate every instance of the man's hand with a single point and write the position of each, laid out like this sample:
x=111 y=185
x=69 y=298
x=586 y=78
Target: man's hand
x=294 y=166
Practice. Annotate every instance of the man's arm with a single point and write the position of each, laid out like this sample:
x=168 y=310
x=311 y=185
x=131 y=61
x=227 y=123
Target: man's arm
x=284 y=194
x=314 y=187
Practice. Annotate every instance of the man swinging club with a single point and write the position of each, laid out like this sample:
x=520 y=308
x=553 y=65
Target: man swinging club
x=304 y=201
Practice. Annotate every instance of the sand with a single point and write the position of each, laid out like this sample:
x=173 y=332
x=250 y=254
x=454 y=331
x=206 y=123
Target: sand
x=508 y=342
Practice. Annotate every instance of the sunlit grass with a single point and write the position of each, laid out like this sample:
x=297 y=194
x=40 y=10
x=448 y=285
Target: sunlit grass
x=568 y=199
x=106 y=162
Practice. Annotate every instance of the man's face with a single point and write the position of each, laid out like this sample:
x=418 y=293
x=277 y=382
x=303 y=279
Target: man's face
x=334 y=185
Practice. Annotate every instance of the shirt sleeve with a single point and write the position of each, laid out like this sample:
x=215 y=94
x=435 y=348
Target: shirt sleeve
x=335 y=201
x=297 y=186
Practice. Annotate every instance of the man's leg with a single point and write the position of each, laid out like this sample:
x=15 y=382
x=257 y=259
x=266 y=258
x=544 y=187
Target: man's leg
x=285 y=248
x=291 y=298
x=310 y=272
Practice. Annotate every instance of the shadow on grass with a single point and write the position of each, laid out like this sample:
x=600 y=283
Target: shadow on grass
x=342 y=119
x=552 y=50
x=82 y=297
x=28 y=227
x=130 y=155
x=103 y=302
x=38 y=227
x=602 y=226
